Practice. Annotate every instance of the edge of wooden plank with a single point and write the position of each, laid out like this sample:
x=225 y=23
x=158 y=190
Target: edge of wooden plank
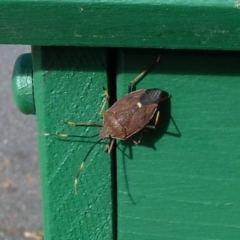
x=173 y=25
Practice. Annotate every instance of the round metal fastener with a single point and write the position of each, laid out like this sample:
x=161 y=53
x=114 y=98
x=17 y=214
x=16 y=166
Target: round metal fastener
x=22 y=84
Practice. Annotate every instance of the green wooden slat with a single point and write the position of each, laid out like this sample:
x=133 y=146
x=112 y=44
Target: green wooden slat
x=183 y=187
x=146 y=24
x=68 y=86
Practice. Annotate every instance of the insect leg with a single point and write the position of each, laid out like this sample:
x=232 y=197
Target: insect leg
x=138 y=141
x=110 y=146
x=157 y=118
x=165 y=98
x=105 y=102
x=75 y=124
x=155 y=123
x=142 y=74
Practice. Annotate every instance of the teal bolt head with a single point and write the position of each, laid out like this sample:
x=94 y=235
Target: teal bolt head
x=22 y=84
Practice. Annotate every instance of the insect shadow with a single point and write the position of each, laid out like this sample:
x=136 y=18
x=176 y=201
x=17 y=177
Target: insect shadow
x=148 y=137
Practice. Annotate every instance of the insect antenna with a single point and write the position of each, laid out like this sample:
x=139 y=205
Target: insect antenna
x=78 y=124
x=83 y=163
x=65 y=135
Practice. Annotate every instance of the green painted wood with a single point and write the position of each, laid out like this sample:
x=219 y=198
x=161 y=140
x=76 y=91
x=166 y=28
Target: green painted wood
x=188 y=186
x=179 y=24
x=68 y=86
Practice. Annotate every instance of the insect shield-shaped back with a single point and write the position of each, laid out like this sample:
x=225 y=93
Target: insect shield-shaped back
x=130 y=114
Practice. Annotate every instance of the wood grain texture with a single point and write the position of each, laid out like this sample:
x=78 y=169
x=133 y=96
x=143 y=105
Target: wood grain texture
x=145 y=24
x=183 y=187
x=68 y=86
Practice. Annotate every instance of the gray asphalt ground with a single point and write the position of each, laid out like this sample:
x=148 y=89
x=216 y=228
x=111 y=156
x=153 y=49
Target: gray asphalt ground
x=20 y=198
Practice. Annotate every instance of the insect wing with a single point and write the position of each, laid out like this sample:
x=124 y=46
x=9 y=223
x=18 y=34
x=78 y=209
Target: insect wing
x=124 y=108
x=136 y=109
x=140 y=119
x=151 y=96
x=112 y=128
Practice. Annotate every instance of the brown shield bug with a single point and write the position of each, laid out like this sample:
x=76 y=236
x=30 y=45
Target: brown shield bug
x=127 y=116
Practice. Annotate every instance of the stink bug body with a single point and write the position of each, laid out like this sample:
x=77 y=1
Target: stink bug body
x=130 y=114
x=127 y=116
